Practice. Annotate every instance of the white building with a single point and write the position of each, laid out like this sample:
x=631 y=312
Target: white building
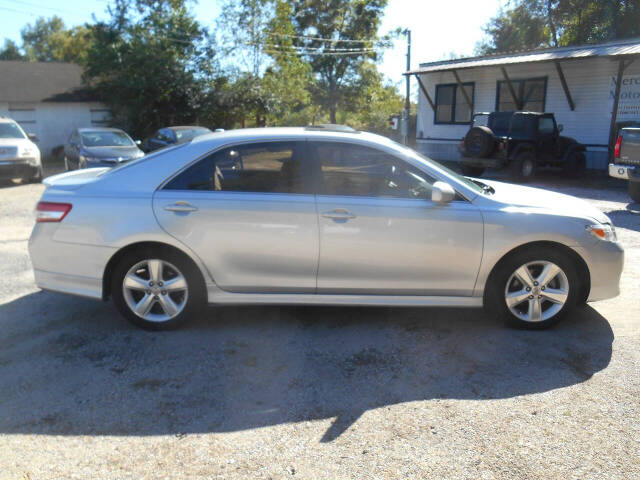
x=48 y=99
x=578 y=84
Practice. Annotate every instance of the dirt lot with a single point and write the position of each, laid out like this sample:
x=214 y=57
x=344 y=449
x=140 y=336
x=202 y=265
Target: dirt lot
x=316 y=392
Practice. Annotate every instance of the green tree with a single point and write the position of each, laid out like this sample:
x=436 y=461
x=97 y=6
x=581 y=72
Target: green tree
x=151 y=63
x=336 y=63
x=287 y=80
x=530 y=24
x=48 y=40
x=10 y=51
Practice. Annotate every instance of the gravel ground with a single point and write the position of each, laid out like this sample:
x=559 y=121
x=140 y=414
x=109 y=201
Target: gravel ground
x=283 y=392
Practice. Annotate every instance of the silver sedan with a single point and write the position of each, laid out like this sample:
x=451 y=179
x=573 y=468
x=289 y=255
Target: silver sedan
x=316 y=216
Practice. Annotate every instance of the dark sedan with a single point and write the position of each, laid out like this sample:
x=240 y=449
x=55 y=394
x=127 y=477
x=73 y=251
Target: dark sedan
x=172 y=136
x=99 y=147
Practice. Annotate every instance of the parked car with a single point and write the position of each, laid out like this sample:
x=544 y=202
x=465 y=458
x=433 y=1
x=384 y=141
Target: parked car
x=19 y=155
x=626 y=160
x=99 y=147
x=172 y=136
x=316 y=215
x=520 y=142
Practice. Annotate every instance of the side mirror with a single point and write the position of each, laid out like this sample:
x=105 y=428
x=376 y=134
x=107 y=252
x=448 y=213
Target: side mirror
x=560 y=128
x=32 y=137
x=442 y=193
x=138 y=142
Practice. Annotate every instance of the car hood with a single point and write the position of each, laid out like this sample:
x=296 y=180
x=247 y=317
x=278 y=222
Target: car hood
x=536 y=198
x=116 y=154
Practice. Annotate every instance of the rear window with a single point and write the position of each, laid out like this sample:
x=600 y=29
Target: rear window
x=633 y=135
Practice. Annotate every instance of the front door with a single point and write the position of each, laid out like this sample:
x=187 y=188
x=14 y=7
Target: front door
x=381 y=234
x=246 y=213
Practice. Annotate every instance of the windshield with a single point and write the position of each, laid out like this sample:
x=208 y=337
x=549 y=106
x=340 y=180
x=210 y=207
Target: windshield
x=106 y=139
x=189 y=134
x=10 y=130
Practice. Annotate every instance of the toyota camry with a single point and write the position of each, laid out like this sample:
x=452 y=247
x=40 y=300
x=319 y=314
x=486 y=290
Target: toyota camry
x=319 y=215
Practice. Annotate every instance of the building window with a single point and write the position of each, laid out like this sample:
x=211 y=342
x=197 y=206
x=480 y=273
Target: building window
x=531 y=91
x=451 y=105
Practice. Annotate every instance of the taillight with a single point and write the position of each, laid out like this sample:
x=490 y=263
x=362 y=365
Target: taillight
x=51 y=211
x=616 y=150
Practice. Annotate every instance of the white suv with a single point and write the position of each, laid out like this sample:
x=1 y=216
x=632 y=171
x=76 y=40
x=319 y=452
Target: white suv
x=19 y=156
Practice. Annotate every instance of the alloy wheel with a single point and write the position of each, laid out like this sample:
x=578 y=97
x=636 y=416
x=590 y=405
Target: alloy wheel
x=155 y=290
x=537 y=291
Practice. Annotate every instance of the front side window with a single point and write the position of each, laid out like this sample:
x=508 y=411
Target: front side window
x=451 y=104
x=270 y=167
x=531 y=92
x=354 y=170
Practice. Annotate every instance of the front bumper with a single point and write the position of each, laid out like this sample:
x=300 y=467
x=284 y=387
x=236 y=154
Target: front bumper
x=605 y=261
x=17 y=168
x=625 y=172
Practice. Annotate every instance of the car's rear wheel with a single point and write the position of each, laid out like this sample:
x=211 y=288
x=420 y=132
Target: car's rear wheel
x=634 y=191
x=533 y=288
x=575 y=165
x=470 y=171
x=156 y=290
x=523 y=168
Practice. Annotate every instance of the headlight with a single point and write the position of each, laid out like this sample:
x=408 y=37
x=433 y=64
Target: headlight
x=604 y=232
x=84 y=158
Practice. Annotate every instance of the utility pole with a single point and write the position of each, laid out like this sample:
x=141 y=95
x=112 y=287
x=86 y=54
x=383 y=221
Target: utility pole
x=404 y=123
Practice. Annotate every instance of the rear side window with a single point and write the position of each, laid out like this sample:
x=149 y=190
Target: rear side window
x=354 y=170
x=270 y=167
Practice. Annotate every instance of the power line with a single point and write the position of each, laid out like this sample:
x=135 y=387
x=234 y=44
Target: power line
x=335 y=54
x=320 y=39
x=311 y=49
x=28 y=4
x=17 y=11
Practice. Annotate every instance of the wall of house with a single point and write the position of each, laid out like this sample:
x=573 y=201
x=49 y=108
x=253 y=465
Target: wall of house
x=52 y=123
x=591 y=82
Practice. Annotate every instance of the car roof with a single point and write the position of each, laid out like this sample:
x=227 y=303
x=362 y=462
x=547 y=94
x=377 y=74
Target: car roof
x=99 y=129
x=301 y=133
x=7 y=120
x=185 y=127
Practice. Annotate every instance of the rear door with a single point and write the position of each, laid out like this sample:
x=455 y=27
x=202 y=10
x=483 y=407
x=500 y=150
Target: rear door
x=380 y=233
x=248 y=213
x=547 y=135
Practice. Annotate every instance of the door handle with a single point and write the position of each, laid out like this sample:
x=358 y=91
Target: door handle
x=181 y=207
x=339 y=214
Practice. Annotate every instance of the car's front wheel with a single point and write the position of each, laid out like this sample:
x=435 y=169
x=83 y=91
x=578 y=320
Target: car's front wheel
x=634 y=190
x=156 y=290
x=533 y=288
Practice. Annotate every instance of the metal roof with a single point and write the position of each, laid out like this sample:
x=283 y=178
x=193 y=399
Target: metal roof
x=22 y=81
x=616 y=48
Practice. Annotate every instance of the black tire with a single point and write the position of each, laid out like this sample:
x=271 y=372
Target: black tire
x=495 y=292
x=634 y=190
x=470 y=171
x=575 y=165
x=523 y=168
x=196 y=293
x=35 y=177
x=478 y=142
